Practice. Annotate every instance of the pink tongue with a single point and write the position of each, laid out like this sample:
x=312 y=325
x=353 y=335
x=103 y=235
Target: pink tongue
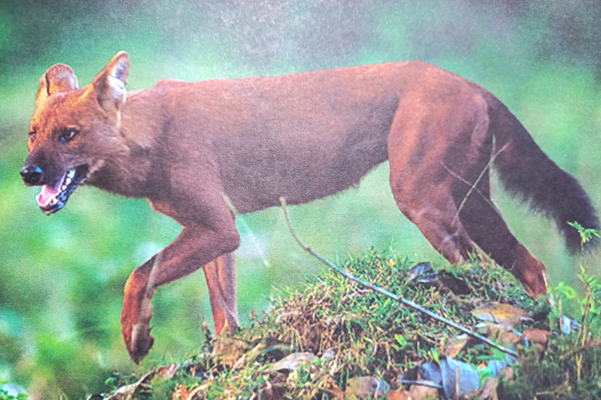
x=48 y=194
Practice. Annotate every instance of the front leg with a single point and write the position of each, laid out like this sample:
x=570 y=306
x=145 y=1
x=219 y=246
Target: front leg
x=195 y=247
x=221 y=280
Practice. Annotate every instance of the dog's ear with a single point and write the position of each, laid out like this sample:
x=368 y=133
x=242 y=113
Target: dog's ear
x=58 y=78
x=109 y=84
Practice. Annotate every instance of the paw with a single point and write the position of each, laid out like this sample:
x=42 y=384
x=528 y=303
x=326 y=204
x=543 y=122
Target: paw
x=140 y=343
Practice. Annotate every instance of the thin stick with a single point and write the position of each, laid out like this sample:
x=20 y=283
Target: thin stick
x=393 y=296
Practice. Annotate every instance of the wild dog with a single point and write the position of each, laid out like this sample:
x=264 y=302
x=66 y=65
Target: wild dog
x=195 y=149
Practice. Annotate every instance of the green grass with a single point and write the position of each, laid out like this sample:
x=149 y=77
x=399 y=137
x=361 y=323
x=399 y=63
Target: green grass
x=351 y=332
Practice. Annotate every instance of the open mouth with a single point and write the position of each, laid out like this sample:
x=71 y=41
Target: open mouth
x=53 y=198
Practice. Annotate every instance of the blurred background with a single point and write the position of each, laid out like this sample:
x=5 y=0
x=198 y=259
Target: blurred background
x=62 y=277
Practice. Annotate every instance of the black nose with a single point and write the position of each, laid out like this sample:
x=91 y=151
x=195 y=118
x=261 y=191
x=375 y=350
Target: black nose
x=31 y=175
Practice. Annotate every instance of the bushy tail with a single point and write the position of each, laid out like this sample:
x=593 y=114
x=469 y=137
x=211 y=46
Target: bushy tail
x=528 y=173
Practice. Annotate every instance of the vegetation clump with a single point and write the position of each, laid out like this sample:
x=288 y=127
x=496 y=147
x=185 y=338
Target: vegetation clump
x=337 y=340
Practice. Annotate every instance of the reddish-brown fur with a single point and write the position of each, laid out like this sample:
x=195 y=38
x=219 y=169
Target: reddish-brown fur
x=193 y=149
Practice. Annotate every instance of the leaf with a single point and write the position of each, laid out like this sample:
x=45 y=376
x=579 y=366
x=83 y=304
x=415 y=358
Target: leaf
x=504 y=315
x=430 y=372
x=131 y=391
x=401 y=340
x=293 y=361
x=537 y=336
x=499 y=334
x=167 y=371
x=458 y=375
x=455 y=345
x=569 y=325
x=419 y=392
x=365 y=387
x=419 y=269
x=398 y=395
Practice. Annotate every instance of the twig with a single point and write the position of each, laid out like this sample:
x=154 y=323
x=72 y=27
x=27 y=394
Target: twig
x=473 y=185
x=393 y=296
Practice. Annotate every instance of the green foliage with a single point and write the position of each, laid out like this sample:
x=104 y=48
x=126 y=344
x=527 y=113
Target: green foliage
x=570 y=367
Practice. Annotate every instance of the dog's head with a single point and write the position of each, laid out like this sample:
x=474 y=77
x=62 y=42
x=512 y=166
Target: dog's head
x=71 y=129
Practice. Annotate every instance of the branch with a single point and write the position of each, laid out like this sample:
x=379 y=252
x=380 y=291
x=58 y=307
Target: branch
x=393 y=296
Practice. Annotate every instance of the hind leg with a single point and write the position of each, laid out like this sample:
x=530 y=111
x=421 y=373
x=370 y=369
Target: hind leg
x=431 y=207
x=485 y=226
x=433 y=212
x=421 y=148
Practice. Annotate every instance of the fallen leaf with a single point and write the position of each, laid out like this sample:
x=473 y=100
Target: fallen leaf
x=181 y=393
x=293 y=361
x=419 y=392
x=430 y=372
x=419 y=269
x=537 y=336
x=458 y=375
x=167 y=371
x=499 y=334
x=398 y=395
x=568 y=325
x=131 y=391
x=365 y=387
x=503 y=314
x=455 y=345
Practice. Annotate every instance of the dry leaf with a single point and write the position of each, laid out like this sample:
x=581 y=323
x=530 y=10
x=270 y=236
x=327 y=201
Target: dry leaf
x=419 y=392
x=365 y=387
x=398 y=395
x=167 y=371
x=537 y=336
x=293 y=361
x=455 y=345
x=181 y=393
x=499 y=334
x=458 y=375
x=502 y=314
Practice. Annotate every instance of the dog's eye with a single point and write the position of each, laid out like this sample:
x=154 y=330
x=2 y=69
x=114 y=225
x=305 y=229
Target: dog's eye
x=67 y=135
x=31 y=136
